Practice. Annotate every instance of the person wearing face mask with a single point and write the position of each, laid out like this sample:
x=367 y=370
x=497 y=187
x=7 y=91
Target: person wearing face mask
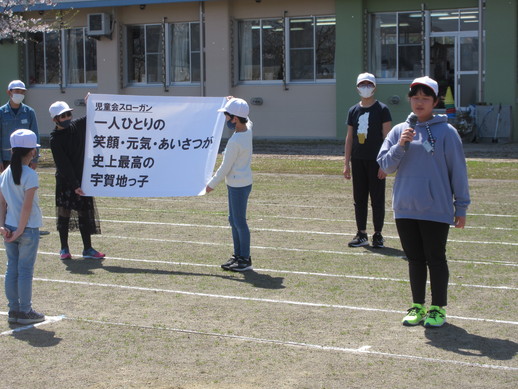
x=74 y=210
x=15 y=115
x=236 y=170
x=368 y=123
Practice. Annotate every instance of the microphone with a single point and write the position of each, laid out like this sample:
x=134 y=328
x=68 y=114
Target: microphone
x=412 y=122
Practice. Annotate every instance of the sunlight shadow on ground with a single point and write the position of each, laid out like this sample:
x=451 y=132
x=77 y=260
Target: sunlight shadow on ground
x=458 y=340
x=37 y=337
x=257 y=280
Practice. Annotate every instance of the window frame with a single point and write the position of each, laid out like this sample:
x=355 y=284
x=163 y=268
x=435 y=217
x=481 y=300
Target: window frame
x=287 y=50
x=262 y=79
x=144 y=55
x=398 y=45
x=427 y=33
x=63 y=53
x=167 y=59
x=169 y=54
x=66 y=58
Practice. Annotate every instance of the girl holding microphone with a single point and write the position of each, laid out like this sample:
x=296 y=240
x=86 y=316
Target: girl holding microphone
x=430 y=193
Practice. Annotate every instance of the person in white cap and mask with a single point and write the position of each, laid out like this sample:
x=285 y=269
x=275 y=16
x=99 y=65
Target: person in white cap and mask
x=15 y=115
x=368 y=122
x=431 y=192
x=20 y=220
x=73 y=209
x=236 y=170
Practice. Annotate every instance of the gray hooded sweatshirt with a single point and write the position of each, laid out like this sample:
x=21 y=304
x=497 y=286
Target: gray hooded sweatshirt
x=430 y=184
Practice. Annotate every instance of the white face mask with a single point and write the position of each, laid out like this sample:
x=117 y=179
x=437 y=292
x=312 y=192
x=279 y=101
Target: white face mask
x=17 y=98
x=365 y=91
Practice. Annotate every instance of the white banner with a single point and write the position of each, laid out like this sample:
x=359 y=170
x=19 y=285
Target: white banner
x=149 y=146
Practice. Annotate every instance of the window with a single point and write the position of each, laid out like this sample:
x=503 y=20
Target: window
x=454 y=20
x=145 y=54
x=81 y=57
x=309 y=49
x=44 y=58
x=260 y=49
x=396 y=45
x=312 y=48
x=149 y=47
x=185 y=52
x=48 y=58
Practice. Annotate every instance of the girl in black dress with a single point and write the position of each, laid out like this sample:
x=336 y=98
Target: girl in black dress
x=74 y=210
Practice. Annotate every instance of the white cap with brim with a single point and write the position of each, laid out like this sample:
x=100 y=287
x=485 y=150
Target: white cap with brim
x=16 y=84
x=366 y=77
x=24 y=138
x=427 y=81
x=236 y=107
x=58 y=108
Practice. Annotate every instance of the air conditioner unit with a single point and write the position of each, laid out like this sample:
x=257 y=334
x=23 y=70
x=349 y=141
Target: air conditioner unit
x=99 y=24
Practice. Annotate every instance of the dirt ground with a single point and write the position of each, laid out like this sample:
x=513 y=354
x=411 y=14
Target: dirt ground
x=159 y=312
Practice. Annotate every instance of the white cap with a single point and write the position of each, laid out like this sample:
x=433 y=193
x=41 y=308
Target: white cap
x=24 y=138
x=366 y=77
x=427 y=81
x=236 y=107
x=58 y=108
x=16 y=84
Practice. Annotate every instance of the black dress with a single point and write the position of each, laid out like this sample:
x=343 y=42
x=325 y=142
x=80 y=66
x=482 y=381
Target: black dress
x=68 y=149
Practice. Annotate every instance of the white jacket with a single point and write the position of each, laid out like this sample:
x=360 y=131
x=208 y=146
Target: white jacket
x=236 y=167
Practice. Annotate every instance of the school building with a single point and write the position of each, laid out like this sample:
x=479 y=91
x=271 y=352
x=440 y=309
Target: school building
x=294 y=61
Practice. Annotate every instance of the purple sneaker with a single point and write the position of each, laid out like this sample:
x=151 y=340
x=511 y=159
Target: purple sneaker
x=93 y=254
x=64 y=254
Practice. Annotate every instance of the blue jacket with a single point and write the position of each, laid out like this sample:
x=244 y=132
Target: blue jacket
x=428 y=186
x=9 y=122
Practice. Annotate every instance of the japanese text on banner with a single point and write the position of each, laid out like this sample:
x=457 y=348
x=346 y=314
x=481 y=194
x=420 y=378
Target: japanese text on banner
x=150 y=146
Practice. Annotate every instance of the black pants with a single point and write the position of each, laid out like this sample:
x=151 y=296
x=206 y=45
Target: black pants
x=365 y=183
x=63 y=228
x=424 y=243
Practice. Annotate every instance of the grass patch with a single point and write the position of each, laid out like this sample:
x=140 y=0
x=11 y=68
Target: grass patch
x=486 y=169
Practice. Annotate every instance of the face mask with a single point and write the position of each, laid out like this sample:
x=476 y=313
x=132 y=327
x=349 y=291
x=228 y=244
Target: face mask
x=65 y=123
x=365 y=91
x=17 y=98
x=230 y=125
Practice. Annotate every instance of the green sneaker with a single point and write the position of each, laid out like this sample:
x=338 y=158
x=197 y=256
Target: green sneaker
x=415 y=315
x=436 y=317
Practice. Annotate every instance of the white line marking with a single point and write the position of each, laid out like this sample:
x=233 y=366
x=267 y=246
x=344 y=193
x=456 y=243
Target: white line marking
x=256 y=299
x=252 y=203
x=365 y=350
x=330 y=275
x=48 y=320
x=304 y=232
x=223 y=212
x=346 y=253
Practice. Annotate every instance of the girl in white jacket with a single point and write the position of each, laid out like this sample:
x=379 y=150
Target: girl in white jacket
x=236 y=170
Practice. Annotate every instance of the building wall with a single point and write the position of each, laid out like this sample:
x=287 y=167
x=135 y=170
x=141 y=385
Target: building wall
x=302 y=111
x=501 y=86
x=9 y=67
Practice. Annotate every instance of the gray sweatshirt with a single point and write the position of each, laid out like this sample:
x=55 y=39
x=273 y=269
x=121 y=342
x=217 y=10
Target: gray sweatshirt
x=429 y=185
